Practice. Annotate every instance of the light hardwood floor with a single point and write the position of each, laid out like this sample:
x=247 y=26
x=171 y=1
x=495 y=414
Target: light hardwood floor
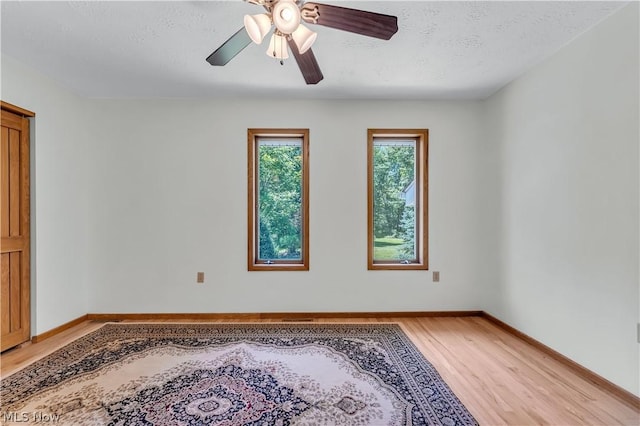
x=500 y=378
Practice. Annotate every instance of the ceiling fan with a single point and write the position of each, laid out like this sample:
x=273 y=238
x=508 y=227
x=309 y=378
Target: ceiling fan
x=289 y=33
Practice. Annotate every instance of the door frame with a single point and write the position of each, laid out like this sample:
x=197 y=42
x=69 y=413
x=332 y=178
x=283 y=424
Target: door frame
x=27 y=271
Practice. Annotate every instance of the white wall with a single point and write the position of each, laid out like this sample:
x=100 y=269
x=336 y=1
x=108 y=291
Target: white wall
x=59 y=194
x=168 y=199
x=566 y=135
x=132 y=198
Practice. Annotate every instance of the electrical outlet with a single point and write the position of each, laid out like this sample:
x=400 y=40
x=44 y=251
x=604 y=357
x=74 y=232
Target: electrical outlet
x=200 y=277
x=436 y=276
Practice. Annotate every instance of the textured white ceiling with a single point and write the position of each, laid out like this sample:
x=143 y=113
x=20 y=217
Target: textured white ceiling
x=147 y=49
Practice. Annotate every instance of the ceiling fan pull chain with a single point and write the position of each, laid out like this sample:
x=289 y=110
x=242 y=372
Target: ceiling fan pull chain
x=282 y=47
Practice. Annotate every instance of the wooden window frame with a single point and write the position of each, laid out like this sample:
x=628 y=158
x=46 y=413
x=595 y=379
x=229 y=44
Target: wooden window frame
x=421 y=136
x=254 y=264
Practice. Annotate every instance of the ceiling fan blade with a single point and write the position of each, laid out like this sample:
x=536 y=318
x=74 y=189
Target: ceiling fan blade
x=353 y=20
x=307 y=64
x=230 y=48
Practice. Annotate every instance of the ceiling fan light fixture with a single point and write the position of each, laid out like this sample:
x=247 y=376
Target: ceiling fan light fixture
x=278 y=47
x=286 y=16
x=257 y=26
x=304 y=38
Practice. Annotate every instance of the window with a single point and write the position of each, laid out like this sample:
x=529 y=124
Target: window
x=278 y=199
x=397 y=199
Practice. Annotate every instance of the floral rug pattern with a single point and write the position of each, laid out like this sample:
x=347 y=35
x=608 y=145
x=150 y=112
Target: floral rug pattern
x=235 y=374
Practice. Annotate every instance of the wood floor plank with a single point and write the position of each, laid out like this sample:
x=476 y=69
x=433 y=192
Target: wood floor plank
x=500 y=378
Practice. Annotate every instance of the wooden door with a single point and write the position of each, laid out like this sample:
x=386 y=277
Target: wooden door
x=14 y=227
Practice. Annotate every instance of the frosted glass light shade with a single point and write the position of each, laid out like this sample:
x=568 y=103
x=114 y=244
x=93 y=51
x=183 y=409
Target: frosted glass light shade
x=286 y=16
x=278 y=47
x=257 y=26
x=304 y=38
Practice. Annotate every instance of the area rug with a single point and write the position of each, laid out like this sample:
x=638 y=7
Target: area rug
x=232 y=375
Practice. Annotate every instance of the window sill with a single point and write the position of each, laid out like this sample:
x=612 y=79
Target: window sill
x=398 y=267
x=278 y=267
